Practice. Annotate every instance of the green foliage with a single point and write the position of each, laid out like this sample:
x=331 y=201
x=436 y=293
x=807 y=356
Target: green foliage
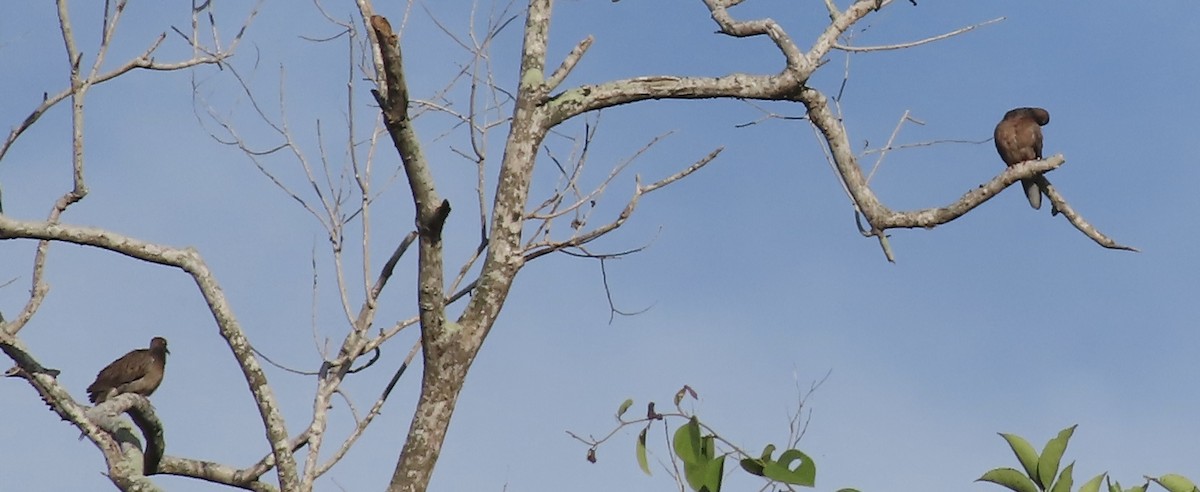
x=1024 y=451
x=641 y=451
x=1051 y=455
x=1064 y=482
x=695 y=447
x=1010 y=478
x=1093 y=485
x=1040 y=470
x=1175 y=483
x=702 y=468
x=804 y=474
x=1116 y=487
x=624 y=406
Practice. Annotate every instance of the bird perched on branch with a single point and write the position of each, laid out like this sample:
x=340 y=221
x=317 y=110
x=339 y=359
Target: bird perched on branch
x=1019 y=139
x=140 y=371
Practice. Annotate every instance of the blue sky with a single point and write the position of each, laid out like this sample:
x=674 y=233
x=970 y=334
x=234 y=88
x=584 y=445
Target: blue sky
x=1006 y=320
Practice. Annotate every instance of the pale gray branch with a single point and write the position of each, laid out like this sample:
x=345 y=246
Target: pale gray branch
x=189 y=261
x=120 y=447
x=900 y=46
x=569 y=63
x=213 y=472
x=1060 y=204
x=542 y=248
x=881 y=218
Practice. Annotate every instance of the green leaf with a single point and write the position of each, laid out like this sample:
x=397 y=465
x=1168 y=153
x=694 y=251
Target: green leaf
x=1175 y=483
x=624 y=406
x=847 y=490
x=1064 y=482
x=804 y=474
x=708 y=447
x=701 y=467
x=641 y=450
x=752 y=466
x=705 y=475
x=1116 y=487
x=782 y=470
x=755 y=466
x=714 y=471
x=1093 y=485
x=1025 y=453
x=1010 y=478
x=1051 y=456
x=687 y=441
x=708 y=475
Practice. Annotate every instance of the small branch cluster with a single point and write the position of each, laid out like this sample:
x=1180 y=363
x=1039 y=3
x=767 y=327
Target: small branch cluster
x=127 y=464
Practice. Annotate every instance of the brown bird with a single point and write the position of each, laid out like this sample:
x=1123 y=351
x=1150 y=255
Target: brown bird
x=1019 y=139
x=140 y=371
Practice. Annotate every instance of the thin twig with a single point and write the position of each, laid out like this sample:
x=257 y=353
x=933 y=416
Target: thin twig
x=862 y=49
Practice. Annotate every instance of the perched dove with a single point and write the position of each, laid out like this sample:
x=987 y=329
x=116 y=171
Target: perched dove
x=1019 y=139
x=139 y=371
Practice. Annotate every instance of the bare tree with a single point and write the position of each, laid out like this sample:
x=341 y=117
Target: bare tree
x=456 y=312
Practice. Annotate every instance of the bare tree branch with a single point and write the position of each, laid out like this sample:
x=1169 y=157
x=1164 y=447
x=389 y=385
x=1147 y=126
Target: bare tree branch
x=212 y=472
x=189 y=261
x=448 y=345
x=121 y=449
x=107 y=416
x=1060 y=204
x=421 y=453
x=863 y=49
x=542 y=248
x=882 y=218
x=569 y=63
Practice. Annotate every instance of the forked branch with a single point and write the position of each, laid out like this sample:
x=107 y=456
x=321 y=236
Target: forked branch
x=189 y=261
